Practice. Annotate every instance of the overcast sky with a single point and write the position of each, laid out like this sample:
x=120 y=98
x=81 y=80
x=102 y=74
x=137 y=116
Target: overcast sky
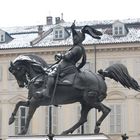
x=34 y=12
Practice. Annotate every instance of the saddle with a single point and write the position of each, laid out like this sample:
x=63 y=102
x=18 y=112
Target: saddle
x=80 y=80
x=67 y=80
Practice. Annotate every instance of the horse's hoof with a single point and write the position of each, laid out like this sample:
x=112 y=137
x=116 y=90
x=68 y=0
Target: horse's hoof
x=64 y=133
x=97 y=130
x=11 y=120
x=23 y=132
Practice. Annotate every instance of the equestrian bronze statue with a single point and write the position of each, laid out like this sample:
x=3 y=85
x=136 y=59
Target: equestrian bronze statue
x=70 y=84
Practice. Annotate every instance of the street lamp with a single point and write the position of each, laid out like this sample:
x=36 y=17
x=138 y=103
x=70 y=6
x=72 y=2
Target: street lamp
x=95 y=69
x=50 y=120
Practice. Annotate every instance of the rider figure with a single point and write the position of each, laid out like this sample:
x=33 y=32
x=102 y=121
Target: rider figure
x=68 y=62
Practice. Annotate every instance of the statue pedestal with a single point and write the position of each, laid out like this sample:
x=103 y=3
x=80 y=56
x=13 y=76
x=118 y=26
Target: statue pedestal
x=36 y=137
x=82 y=137
x=62 y=137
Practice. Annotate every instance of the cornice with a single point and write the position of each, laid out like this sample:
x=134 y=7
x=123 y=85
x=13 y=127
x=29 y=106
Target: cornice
x=60 y=49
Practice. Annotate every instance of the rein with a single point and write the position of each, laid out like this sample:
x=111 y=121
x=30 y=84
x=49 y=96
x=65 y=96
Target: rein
x=32 y=80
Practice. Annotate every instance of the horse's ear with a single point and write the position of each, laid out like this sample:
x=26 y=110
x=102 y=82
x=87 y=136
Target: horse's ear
x=11 y=64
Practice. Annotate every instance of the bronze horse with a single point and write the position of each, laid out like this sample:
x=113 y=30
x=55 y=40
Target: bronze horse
x=29 y=69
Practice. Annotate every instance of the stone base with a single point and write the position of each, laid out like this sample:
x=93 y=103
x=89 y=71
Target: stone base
x=82 y=137
x=36 y=137
x=62 y=137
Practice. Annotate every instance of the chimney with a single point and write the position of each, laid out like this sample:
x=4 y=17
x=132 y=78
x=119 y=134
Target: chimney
x=62 y=20
x=49 y=20
x=57 y=20
x=40 y=29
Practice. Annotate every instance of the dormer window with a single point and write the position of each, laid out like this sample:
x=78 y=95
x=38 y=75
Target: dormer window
x=119 y=29
x=2 y=36
x=58 y=33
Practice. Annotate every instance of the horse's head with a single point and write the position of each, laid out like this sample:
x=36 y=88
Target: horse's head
x=19 y=71
x=26 y=67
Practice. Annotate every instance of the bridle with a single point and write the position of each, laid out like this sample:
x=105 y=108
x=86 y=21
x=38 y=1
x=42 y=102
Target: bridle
x=32 y=80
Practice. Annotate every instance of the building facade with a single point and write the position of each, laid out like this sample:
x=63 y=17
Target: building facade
x=120 y=43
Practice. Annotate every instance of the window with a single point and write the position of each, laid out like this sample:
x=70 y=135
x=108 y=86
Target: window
x=58 y=33
x=2 y=37
x=115 y=119
x=118 y=30
x=53 y=122
x=20 y=119
x=0 y=73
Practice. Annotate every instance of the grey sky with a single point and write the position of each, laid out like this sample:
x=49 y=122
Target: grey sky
x=34 y=12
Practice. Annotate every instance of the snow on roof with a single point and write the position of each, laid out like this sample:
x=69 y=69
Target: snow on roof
x=132 y=36
x=19 y=41
x=24 y=35
x=48 y=41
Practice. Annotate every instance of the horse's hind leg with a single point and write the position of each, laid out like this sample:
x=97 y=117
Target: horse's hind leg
x=20 y=103
x=84 y=112
x=105 y=110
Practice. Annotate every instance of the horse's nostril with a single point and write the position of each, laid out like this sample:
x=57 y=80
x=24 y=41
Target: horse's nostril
x=21 y=86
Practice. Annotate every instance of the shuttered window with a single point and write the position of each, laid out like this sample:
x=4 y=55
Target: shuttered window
x=20 y=119
x=115 y=119
x=54 y=121
x=0 y=73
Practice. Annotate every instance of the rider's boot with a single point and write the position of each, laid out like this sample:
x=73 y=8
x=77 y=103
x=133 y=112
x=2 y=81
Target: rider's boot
x=46 y=92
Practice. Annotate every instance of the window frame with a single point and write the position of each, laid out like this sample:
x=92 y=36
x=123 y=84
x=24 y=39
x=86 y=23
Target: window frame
x=54 y=111
x=58 y=33
x=2 y=36
x=118 y=30
x=1 y=71
x=19 y=119
x=114 y=115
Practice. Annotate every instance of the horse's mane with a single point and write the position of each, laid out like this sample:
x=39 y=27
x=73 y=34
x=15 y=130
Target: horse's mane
x=32 y=59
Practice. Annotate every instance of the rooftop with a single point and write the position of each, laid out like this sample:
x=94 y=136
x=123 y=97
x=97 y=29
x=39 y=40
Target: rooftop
x=23 y=36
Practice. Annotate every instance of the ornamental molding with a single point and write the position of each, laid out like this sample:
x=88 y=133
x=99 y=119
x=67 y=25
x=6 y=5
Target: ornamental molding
x=116 y=95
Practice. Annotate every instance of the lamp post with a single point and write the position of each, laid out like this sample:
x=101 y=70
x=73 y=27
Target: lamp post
x=95 y=61
x=95 y=69
x=50 y=120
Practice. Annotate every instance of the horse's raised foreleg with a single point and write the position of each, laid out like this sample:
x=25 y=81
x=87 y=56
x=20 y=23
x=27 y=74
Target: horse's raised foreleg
x=32 y=108
x=105 y=110
x=20 y=103
x=84 y=112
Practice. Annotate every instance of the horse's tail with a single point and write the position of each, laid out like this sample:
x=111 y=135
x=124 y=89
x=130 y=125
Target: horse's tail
x=119 y=73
